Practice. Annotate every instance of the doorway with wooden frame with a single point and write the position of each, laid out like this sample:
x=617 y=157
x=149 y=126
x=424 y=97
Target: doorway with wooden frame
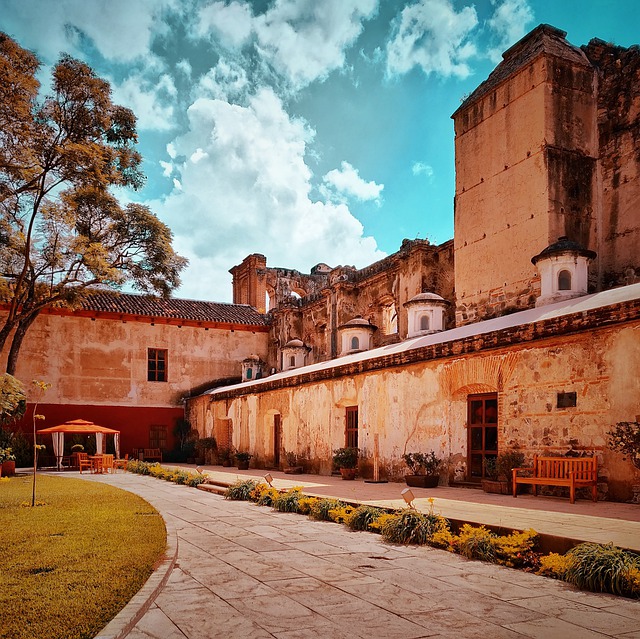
x=351 y=427
x=277 y=439
x=482 y=433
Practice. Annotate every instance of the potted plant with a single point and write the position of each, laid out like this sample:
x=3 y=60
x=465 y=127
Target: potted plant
x=7 y=462
x=346 y=459
x=242 y=460
x=292 y=466
x=424 y=469
x=497 y=470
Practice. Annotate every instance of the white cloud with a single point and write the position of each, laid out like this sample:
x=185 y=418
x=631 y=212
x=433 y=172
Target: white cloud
x=231 y=22
x=420 y=168
x=508 y=24
x=305 y=40
x=120 y=29
x=249 y=192
x=167 y=168
x=431 y=35
x=347 y=181
x=150 y=98
x=226 y=81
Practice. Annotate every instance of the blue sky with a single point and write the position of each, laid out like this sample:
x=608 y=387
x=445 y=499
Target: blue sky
x=307 y=130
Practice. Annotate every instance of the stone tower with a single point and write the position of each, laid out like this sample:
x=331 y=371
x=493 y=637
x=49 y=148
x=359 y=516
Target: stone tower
x=250 y=282
x=526 y=147
x=545 y=148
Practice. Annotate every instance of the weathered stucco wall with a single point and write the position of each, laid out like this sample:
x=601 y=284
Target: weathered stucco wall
x=104 y=362
x=423 y=406
x=619 y=164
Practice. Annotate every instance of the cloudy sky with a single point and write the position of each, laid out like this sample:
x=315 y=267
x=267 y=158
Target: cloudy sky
x=307 y=130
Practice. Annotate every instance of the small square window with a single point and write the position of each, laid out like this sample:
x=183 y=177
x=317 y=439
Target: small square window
x=566 y=400
x=157 y=364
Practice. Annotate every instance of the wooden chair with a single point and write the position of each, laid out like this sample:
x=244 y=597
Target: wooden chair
x=121 y=463
x=84 y=462
x=107 y=463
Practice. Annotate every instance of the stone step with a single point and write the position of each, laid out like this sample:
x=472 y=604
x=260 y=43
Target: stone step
x=217 y=488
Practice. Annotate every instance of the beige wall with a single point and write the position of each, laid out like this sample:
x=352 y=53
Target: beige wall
x=104 y=362
x=423 y=406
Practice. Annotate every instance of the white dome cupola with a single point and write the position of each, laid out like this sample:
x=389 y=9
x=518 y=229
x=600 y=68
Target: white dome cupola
x=252 y=368
x=294 y=353
x=355 y=335
x=564 y=271
x=425 y=314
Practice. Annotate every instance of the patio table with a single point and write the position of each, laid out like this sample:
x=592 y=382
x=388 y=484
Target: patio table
x=96 y=463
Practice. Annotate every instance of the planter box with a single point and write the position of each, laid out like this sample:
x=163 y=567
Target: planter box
x=293 y=470
x=495 y=486
x=8 y=468
x=422 y=481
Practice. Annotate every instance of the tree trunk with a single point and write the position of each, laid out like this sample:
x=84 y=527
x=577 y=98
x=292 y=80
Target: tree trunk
x=16 y=342
x=5 y=331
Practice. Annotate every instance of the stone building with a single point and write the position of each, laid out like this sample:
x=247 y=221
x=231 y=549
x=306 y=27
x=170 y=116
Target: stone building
x=128 y=361
x=538 y=345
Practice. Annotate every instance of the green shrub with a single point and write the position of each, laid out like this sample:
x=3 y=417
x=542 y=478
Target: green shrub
x=602 y=568
x=241 y=490
x=363 y=516
x=476 y=542
x=287 y=502
x=411 y=527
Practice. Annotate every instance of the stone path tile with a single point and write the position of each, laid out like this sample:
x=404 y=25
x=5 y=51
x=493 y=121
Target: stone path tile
x=368 y=620
x=551 y=627
x=155 y=625
x=455 y=623
x=200 y=613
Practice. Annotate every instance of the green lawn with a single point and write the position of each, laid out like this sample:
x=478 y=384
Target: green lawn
x=67 y=567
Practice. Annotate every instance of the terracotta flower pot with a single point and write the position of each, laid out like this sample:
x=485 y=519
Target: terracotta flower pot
x=243 y=465
x=348 y=473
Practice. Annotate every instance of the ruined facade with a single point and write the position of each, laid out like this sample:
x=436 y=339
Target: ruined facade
x=312 y=307
x=552 y=379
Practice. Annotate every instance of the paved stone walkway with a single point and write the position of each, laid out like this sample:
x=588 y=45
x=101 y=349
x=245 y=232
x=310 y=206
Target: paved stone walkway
x=244 y=571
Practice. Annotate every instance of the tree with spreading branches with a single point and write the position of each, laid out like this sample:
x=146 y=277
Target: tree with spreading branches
x=62 y=230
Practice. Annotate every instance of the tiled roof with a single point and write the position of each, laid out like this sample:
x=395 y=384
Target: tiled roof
x=544 y=38
x=173 y=308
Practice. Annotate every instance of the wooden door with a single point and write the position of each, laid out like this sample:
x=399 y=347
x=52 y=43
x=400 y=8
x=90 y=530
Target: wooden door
x=277 y=440
x=482 y=440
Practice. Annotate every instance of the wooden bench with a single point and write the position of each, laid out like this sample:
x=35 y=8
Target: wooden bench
x=573 y=472
x=152 y=454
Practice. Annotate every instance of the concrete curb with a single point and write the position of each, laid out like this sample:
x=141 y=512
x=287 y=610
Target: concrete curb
x=122 y=624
